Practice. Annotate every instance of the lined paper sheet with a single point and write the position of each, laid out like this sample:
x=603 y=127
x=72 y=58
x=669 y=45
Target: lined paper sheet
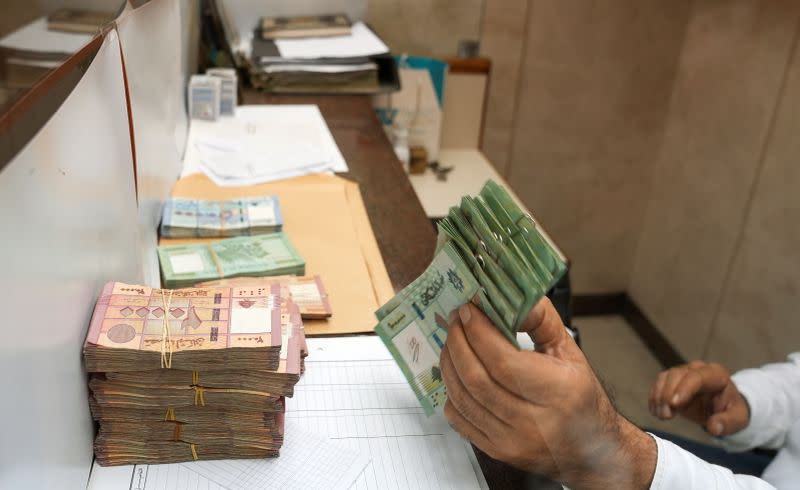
x=167 y=476
x=307 y=461
x=354 y=393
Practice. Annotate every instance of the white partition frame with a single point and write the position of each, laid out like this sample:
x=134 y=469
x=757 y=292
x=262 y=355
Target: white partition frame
x=69 y=222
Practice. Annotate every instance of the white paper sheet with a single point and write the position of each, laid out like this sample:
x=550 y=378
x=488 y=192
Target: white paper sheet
x=361 y=42
x=354 y=393
x=307 y=461
x=36 y=37
x=317 y=68
x=262 y=143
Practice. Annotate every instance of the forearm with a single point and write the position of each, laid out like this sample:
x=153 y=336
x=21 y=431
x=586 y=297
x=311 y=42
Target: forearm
x=626 y=459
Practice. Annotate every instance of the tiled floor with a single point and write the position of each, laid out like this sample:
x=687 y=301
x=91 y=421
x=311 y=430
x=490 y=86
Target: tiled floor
x=627 y=368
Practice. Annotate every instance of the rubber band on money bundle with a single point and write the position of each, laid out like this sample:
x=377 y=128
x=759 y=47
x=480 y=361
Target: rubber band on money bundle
x=195 y=378
x=199 y=396
x=170 y=415
x=176 y=434
x=214 y=257
x=166 y=338
x=193 y=447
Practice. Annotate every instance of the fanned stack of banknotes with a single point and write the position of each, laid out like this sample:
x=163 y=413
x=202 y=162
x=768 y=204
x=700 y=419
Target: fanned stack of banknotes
x=188 y=218
x=261 y=255
x=490 y=252
x=199 y=373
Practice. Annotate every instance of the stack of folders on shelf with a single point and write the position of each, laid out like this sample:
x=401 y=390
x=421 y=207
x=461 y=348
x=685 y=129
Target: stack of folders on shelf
x=261 y=255
x=197 y=218
x=489 y=252
x=326 y=53
x=188 y=374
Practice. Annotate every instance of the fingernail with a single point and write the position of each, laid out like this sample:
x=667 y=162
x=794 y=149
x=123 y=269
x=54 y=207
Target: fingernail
x=464 y=313
x=667 y=411
x=718 y=429
x=676 y=399
x=452 y=317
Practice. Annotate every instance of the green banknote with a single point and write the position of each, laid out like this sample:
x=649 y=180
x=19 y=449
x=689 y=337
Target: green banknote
x=488 y=252
x=261 y=255
x=416 y=329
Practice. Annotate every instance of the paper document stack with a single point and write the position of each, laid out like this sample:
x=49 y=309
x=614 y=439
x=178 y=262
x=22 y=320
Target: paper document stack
x=489 y=252
x=189 y=218
x=181 y=375
x=262 y=144
x=261 y=255
x=327 y=59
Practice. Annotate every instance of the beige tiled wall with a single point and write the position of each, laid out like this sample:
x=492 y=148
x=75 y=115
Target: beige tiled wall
x=503 y=37
x=658 y=142
x=425 y=27
x=585 y=126
x=758 y=319
x=729 y=77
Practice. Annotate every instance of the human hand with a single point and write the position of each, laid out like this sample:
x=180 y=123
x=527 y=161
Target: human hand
x=542 y=411
x=702 y=392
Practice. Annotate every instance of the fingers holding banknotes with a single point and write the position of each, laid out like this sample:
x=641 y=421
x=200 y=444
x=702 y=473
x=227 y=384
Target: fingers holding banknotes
x=542 y=411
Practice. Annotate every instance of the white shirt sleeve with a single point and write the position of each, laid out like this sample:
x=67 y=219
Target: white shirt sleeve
x=773 y=393
x=678 y=469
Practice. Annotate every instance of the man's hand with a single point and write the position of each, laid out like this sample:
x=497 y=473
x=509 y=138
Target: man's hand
x=542 y=411
x=702 y=392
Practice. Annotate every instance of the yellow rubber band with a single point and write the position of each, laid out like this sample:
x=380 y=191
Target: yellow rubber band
x=193 y=447
x=199 y=396
x=166 y=338
x=195 y=378
x=170 y=415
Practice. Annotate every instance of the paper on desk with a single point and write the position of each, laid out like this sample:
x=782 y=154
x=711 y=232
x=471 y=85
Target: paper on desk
x=307 y=461
x=354 y=393
x=325 y=219
x=262 y=143
x=256 y=158
x=361 y=42
x=318 y=68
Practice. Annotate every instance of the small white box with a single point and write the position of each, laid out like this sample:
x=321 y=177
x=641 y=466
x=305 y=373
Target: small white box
x=204 y=97
x=227 y=102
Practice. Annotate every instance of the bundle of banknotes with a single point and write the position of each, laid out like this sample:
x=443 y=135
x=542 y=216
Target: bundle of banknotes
x=489 y=252
x=188 y=218
x=187 y=374
x=262 y=255
x=307 y=292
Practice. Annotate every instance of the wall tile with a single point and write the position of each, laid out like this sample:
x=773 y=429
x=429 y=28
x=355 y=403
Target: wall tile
x=758 y=319
x=425 y=27
x=594 y=91
x=730 y=71
x=503 y=31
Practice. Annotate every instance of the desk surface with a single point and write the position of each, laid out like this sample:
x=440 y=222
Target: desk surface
x=404 y=234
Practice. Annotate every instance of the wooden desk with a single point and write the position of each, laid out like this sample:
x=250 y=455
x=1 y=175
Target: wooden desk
x=404 y=234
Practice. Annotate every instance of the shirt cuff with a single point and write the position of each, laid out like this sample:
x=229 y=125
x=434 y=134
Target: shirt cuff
x=749 y=385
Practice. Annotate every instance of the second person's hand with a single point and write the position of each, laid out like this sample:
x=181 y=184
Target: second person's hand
x=702 y=392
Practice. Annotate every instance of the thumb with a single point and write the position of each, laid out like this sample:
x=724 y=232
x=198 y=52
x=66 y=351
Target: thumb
x=721 y=424
x=545 y=327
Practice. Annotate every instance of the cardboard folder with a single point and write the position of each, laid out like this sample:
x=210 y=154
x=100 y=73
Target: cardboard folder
x=325 y=218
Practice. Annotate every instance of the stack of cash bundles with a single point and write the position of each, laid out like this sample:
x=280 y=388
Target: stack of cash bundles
x=187 y=374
